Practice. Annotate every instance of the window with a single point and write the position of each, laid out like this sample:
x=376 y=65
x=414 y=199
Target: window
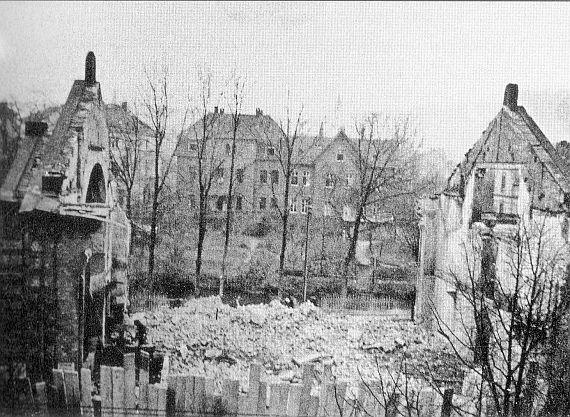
x=220 y=174
x=329 y=180
x=503 y=182
x=327 y=209
x=273 y=202
x=192 y=146
x=239 y=202
x=192 y=201
x=305 y=205
x=340 y=156
x=239 y=175
x=293 y=206
x=221 y=202
x=306 y=176
x=270 y=151
x=295 y=178
x=349 y=179
x=274 y=177
x=228 y=149
x=262 y=203
x=263 y=176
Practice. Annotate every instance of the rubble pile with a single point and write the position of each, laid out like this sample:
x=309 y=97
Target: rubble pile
x=210 y=338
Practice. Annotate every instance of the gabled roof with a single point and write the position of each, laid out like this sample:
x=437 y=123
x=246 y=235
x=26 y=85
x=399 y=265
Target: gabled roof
x=510 y=137
x=250 y=127
x=340 y=137
x=120 y=117
x=50 y=153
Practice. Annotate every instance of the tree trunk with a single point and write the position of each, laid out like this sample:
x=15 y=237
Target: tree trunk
x=152 y=241
x=129 y=210
x=228 y=214
x=285 y=224
x=154 y=214
x=351 y=251
x=200 y=248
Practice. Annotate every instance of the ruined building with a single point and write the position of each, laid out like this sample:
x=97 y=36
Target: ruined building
x=511 y=191
x=64 y=241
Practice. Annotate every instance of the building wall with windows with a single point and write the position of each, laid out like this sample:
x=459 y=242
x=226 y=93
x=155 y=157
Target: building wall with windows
x=512 y=187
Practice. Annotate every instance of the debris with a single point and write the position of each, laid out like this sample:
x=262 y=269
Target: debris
x=284 y=339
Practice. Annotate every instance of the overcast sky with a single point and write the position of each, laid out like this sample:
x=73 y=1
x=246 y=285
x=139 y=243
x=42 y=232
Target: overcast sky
x=444 y=64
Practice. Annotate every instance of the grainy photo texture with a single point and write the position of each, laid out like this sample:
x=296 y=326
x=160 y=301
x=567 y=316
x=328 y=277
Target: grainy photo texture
x=284 y=209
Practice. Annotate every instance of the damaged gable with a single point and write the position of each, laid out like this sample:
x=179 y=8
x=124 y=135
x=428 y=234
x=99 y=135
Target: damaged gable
x=513 y=139
x=51 y=170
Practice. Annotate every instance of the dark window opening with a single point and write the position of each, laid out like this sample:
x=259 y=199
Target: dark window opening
x=220 y=202
x=51 y=183
x=263 y=176
x=239 y=175
x=273 y=202
x=228 y=149
x=270 y=151
x=96 y=192
x=262 y=203
x=239 y=202
x=274 y=177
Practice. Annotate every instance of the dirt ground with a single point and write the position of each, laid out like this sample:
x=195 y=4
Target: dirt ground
x=206 y=337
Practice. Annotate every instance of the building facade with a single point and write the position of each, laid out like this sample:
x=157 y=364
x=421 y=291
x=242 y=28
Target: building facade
x=64 y=240
x=504 y=209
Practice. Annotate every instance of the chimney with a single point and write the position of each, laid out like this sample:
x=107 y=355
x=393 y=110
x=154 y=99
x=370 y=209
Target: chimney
x=511 y=96
x=36 y=128
x=125 y=106
x=90 y=77
x=221 y=111
x=216 y=110
x=321 y=130
x=258 y=112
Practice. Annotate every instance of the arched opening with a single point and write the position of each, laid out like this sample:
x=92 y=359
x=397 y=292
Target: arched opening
x=96 y=189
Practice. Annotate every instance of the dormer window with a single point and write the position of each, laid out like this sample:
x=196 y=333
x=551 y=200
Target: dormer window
x=270 y=151
x=339 y=156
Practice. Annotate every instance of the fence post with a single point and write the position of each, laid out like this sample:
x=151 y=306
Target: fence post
x=307 y=382
x=130 y=376
x=106 y=391
x=230 y=397
x=86 y=392
x=71 y=380
x=60 y=399
x=118 y=375
x=143 y=380
x=253 y=391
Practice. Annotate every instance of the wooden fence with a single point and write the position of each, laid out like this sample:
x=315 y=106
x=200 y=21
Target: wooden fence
x=149 y=301
x=123 y=394
x=365 y=303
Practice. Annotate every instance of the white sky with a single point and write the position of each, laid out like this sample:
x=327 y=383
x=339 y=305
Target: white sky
x=445 y=64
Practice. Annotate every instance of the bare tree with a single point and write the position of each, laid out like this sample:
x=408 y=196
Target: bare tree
x=128 y=137
x=510 y=306
x=386 y=161
x=159 y=113
x=209 y=161
x=235 y=106
x=285 y=142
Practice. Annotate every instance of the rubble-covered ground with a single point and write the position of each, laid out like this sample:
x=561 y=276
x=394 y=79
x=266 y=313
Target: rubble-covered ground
x=206 y=337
